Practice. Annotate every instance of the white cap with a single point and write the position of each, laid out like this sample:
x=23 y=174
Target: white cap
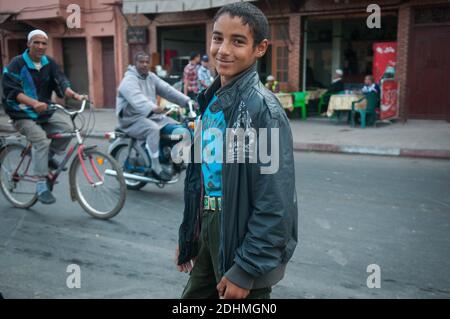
x=340 y=72
x=36 y=32
x=270 y=78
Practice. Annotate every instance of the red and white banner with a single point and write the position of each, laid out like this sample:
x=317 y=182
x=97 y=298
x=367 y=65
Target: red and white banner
x=384 y=62
x=389 y=99
x=384 y=59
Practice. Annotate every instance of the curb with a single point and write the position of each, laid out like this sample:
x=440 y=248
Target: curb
x=367 y=150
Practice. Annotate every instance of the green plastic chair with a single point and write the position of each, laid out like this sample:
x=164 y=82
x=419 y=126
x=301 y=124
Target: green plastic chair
x=369 y=113
x=300 y=101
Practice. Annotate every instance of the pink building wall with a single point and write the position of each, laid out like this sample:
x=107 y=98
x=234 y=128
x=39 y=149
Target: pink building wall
x=99 y=18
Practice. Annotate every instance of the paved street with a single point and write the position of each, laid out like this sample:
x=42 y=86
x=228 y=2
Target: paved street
x=354 y=211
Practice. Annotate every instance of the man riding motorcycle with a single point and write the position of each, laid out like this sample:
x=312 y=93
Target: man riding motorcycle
x=137 y=111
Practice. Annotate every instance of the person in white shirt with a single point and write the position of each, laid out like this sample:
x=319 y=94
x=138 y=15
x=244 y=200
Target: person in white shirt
x=370 y=85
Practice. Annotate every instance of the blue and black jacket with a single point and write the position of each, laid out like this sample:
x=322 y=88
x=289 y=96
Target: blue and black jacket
x=21 y=76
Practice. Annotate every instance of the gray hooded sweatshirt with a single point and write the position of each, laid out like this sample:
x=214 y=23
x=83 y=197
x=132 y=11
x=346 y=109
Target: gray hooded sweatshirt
x=136 y=96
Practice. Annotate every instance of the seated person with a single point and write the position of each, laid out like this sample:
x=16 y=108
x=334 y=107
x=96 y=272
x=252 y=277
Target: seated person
x=337 y=84
x=369 y=87
x=139 y=115
x=272 y=85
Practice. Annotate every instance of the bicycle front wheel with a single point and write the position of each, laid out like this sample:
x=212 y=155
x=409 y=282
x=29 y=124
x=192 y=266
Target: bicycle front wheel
x=16 y=181
x=98 y=184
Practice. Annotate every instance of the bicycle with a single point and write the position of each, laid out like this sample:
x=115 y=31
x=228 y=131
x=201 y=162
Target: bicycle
x=89 y=180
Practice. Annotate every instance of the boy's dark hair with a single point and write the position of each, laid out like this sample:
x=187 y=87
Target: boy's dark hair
x=140 y=54
x=193 y=55
x=251 y=15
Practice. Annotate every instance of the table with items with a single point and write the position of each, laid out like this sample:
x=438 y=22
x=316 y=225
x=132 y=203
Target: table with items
x=342 y=102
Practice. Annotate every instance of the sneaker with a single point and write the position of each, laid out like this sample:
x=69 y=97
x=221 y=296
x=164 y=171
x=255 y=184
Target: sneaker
x=46 y=197
x=163 y=176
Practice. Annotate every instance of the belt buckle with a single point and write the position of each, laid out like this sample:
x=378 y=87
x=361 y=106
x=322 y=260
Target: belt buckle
x=212 y=203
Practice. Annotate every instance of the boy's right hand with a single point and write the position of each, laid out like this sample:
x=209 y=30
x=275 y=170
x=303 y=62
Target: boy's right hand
x=186 y=267
x=40 y=106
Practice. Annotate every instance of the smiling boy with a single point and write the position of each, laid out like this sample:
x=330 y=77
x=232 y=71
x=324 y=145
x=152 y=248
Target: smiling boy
x=239 y=228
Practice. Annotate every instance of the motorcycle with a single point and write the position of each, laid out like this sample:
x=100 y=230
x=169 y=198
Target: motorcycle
x=134 y=158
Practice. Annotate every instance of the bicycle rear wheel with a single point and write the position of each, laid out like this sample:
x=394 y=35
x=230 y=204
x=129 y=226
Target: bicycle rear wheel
x=16 y=182
x=101 y=194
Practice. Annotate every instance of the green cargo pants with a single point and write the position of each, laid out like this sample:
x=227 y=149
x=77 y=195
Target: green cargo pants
x=205 y=276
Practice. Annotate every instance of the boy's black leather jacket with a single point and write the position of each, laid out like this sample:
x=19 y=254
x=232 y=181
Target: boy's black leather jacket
x=259 y=211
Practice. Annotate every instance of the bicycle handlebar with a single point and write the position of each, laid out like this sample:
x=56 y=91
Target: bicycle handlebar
x=192 y=113
x=176 y=108
x=172 y=108
x=62 y=108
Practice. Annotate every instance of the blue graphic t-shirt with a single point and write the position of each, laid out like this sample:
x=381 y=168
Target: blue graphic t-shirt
x=213 y=130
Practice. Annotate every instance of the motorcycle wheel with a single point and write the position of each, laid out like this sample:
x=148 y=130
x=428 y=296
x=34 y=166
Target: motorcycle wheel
x=120 y=154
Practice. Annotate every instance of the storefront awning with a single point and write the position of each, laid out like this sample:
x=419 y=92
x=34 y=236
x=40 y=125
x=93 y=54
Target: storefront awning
x=9 y=23
x=163 y=6
x=4 y=17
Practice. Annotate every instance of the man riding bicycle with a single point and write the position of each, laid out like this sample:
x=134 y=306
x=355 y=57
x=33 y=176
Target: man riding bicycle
x=28 y=83
x=138 y=114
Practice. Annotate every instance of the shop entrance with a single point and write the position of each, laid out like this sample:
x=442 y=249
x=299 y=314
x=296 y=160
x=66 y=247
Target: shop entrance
x=75 y=66
x=175 y=45
x=342 y=43
x=428 y=95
